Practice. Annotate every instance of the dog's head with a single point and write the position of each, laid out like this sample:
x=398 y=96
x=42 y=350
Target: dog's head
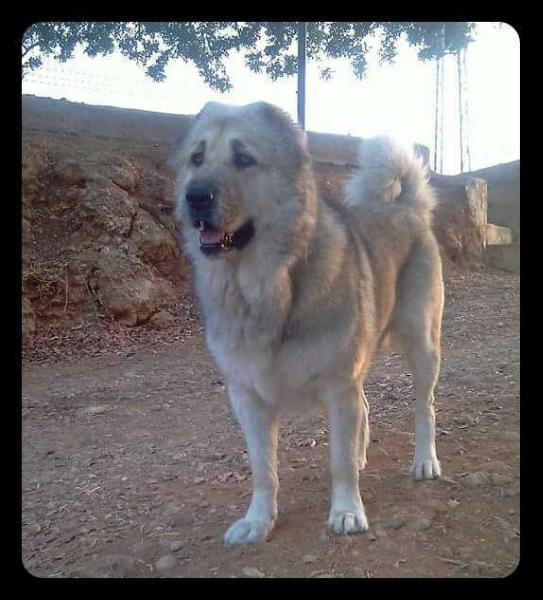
x=236 y=175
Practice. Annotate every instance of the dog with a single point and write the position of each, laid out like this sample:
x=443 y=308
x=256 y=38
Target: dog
x=299 y=291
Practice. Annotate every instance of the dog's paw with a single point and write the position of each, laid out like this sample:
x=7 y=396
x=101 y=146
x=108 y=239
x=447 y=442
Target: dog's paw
x=246 y=531
x=344 y=522
x=426 y=469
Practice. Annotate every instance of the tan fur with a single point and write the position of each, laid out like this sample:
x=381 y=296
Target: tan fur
x=300 y=311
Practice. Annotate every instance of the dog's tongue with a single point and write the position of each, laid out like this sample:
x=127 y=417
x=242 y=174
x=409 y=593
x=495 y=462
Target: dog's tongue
x=211 y=236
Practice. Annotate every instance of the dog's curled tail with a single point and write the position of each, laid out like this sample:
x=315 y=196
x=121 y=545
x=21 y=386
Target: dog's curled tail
x=390 y=173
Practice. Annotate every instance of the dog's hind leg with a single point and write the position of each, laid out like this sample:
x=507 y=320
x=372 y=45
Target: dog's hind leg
x=417 y=327
x=260 y=424
x=345 y=407
x=364 y=433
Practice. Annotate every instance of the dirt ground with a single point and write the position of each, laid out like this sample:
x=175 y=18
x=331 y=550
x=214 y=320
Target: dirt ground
x=133 y=465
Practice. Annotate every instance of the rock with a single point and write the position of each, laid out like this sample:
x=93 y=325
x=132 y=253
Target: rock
x=498 y=479
x=253 y=572
x=420 y=524
x=496 y=235
x=309 y=559
x=162 y=320
x=129 y=291
x=35 y=528
x=176 y=546
x=89 y=411
x=460 y=217
x=477 y=478
x=371 y=536
x=465 y=419
x=165 y=563
x=394 y=522
x=124 y=175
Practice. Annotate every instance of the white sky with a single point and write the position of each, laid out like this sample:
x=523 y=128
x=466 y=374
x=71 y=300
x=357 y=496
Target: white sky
x=397 y=99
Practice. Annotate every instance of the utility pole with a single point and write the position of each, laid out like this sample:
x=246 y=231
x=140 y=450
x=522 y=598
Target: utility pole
x=439 y=107
x=302 y=33
x=465 y=159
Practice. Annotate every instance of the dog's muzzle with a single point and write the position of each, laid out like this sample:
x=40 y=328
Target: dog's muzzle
x=202 y=203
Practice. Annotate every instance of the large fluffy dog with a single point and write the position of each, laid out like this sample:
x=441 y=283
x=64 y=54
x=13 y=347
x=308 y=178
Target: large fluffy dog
x=298 y=291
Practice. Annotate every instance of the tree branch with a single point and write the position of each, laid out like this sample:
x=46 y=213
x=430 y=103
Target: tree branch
x=27 y=50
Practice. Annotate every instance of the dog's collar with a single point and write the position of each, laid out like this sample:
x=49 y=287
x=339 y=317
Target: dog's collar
x=231 y=241
x=240 y=238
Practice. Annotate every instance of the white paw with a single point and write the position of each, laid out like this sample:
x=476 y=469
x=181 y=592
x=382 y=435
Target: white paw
x=245 y=531
x=343 y=522
x=361 y=463
x=426 y=469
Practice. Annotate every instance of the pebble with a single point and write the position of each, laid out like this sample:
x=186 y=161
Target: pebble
x=420 y=524
x=465 y=419
x=498 y=479
x=253 y=572
x=35 y=528
x=310 y=559
x=395 y=522
x=176 y=546
x=90 y=410
x=477 y=478
x=165 y=563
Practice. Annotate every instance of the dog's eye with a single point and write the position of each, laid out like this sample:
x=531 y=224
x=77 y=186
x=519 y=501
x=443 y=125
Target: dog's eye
x=242 y=161
x=197 y=159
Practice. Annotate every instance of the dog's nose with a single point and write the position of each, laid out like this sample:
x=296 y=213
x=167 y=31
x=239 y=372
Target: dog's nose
x=200 y=196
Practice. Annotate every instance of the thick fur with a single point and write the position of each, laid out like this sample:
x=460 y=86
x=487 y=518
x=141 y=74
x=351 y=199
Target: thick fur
x=298 y=313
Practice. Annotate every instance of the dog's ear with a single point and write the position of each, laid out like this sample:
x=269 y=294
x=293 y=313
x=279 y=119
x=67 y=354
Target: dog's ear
x=207 y=108
x=285 y=125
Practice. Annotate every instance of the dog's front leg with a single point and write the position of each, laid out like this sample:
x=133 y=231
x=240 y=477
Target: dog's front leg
x=345 y=408
x=260 y=426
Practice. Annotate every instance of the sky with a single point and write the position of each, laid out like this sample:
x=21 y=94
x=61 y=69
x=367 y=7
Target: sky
x=396 y=99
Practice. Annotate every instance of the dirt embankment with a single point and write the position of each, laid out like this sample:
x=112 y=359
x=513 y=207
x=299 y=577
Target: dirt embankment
x=99 y=238
x=99 y=241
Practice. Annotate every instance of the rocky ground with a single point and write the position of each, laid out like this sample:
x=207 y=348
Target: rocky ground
x=133 y=466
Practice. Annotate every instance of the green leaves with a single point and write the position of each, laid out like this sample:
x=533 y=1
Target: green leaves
x=269 y=47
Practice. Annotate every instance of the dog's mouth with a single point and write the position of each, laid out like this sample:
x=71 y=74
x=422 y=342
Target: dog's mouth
x=214 y=240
